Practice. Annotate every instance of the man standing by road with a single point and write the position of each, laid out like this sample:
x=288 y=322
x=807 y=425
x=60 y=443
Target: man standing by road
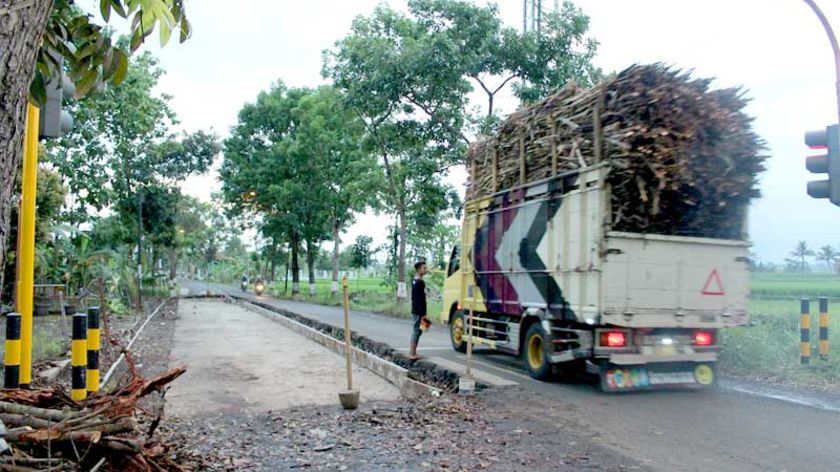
x=418 y=307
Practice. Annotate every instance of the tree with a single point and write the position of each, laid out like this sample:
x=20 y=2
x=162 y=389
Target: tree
x=800 y=254
x=34 y=34
x=262 y=178
x=828 y=255
x=361 y=253
x=329 y=134
x=121 y=142
x=409 y=76
x=121 y=155
x=493 y=57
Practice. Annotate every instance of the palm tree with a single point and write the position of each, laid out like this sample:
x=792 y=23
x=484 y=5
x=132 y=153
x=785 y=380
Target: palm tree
x=829 y=256
x=802 y=252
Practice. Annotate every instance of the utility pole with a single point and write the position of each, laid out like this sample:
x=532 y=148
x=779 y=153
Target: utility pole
x=834 y=46
x=532 y=15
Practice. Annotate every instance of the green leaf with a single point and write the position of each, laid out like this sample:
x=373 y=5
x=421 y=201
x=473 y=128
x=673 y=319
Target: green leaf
x=38 y=90
x=165 y=33
x=136 y=40
x=87 y=83
x=186 y=29
x=121 y=67
x=117 y=6
x=105 y=9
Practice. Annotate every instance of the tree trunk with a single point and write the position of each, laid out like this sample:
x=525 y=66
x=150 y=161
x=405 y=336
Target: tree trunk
x=295 y=268
x=311 y=254
x=401 y=289
x=334 y=289
x=173 y=263
x=273 y=273
x=21 y=27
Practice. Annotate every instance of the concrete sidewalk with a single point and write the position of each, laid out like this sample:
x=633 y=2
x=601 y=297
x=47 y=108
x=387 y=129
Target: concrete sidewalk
x=239 y=361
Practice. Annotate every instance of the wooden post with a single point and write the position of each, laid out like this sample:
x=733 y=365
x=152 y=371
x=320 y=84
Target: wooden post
x=469 y=343
x=495 y=163
x=597 y=131
x=553 y=147
x=522 y=169
x=348 y=343
x=473 y=184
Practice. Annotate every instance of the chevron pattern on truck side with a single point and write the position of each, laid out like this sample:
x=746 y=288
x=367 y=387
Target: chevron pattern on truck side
x=499 y=295
x=513 y=270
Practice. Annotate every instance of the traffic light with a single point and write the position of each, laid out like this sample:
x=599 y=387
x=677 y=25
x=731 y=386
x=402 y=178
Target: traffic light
x=829 y=163
x=53 y=120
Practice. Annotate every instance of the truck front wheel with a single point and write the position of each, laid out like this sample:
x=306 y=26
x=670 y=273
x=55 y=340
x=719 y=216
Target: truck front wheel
x=536 y=343
x=457 y=332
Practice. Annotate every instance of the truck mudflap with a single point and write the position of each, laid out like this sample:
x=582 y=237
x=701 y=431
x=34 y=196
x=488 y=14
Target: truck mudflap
x=626 y=378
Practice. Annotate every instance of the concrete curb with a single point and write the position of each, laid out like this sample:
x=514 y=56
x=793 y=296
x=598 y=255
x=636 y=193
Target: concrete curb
x=398 y=376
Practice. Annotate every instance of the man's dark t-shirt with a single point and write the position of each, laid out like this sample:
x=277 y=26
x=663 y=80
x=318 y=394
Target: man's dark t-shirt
x=418 y=297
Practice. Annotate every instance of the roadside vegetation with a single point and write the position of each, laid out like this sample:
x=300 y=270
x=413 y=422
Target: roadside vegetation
x=768 y=348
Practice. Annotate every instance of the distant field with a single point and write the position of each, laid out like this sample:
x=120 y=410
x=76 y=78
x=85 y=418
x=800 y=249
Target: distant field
x=795 y=285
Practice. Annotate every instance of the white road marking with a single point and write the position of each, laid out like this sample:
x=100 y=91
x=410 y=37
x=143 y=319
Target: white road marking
x=808 y=402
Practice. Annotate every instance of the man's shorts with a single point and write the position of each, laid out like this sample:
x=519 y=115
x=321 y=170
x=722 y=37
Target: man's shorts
x=415 y=328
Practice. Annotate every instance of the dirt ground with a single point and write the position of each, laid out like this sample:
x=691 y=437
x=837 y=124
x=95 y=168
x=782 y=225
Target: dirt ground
x=496 y=430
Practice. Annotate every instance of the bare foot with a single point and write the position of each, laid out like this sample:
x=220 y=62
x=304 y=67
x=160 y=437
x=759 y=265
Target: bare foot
x=414 y=358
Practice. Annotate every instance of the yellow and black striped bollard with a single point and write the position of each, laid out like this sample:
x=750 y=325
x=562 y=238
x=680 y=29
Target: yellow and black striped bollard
x=78 y=359
x=11 y=374
x=93 y=346
x=805 y=332
x=823 y=327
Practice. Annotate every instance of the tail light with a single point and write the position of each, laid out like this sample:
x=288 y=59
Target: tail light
x=704 y=338
x=614 y=339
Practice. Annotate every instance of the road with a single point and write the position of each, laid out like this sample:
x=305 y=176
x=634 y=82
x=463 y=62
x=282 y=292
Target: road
x=712 y=430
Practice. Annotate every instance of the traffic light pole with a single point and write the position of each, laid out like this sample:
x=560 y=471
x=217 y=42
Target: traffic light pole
x=834 y=46
x=26 y=243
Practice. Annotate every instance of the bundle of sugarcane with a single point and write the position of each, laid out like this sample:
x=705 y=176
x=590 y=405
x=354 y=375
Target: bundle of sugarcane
x=683 y=159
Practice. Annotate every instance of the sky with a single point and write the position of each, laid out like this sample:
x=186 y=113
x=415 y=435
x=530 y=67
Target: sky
x=776 y=49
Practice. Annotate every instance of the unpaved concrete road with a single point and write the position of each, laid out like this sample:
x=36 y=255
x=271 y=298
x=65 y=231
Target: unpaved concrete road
x=715 y=430
x=239 y=361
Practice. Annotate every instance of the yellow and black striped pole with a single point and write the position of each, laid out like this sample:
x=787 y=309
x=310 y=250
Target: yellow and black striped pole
x=805 y=332
x=78 y=359
x=823 y=327
x=93 y=346
x=11 y=374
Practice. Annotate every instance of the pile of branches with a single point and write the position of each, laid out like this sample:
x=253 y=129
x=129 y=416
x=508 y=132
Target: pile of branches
x=683 y=159
x=44 y=430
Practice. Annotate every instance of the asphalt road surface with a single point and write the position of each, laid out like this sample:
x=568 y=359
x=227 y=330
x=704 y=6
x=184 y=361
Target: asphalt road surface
x=711 y=430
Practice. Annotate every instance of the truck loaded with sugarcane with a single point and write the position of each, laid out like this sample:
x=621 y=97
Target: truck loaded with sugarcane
x=605 y=231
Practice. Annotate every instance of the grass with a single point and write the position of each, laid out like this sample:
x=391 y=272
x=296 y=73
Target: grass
x=46 y=346
x=366 y=294
x=794 y=286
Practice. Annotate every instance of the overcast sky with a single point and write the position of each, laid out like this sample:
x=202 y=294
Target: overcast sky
x=776 y=49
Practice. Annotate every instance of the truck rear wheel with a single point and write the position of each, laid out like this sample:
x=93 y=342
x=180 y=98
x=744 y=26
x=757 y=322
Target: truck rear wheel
x=536 y=361
x=457 y=332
